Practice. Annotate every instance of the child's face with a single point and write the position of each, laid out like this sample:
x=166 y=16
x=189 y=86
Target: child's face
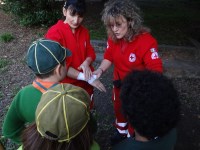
x=74 y=20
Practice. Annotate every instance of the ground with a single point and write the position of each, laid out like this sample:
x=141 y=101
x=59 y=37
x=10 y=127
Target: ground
x=185 y=75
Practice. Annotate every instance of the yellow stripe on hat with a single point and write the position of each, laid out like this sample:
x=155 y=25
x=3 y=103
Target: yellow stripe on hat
x=36 y=62
x=50 y=52
x=38 y=123
x=77 y=100
x=65 y=117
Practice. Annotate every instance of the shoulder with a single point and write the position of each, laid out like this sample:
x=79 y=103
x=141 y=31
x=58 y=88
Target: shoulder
x=28 y=90
x=145 y=38
x=58 y=26
x=83 y=29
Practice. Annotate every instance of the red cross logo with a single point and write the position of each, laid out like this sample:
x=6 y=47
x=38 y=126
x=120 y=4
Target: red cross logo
x=132 y=57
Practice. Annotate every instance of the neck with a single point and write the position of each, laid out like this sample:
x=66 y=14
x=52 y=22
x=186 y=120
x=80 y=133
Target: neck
x=49 y=79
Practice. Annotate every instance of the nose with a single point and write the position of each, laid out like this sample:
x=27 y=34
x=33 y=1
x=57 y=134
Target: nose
x=114 y=28
x=75 y=19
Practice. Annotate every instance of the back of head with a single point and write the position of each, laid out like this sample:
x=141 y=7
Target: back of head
x=76 y=6
x=62 y=118
x=150 y=102
x=44 y=55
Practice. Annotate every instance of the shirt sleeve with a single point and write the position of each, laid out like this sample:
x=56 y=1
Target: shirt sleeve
x=54 y=35
x=90 y=49
x=151 y=58
x=13 y=123
x=108 y=52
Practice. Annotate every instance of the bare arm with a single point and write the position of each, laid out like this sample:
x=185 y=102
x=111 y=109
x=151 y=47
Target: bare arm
x=72 y=73
x=105 y=64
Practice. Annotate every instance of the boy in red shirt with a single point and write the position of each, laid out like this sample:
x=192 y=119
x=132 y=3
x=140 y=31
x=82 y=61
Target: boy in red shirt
x=72 y=35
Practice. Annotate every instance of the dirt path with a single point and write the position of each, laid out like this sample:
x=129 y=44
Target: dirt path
x=181 y=64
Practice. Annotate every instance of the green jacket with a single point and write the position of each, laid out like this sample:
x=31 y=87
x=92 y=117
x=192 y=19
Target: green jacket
x=21 y=111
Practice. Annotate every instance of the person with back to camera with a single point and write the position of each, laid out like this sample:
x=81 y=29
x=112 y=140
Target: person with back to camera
x=71 y=34
x=130 y=46
x=62 y=121
x=46 y=58
x=152 y=107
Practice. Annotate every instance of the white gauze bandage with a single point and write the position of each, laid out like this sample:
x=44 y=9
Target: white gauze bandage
x=82 y=77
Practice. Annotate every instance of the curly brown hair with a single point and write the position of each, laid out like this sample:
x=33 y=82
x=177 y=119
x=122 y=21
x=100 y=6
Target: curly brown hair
x=128 y=9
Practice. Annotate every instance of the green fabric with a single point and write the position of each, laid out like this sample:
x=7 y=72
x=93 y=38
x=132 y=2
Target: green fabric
x=20 y=148
x=95 y=146
x=54 y=54
x=21 y=111
x=63 y=112
x=165 y=143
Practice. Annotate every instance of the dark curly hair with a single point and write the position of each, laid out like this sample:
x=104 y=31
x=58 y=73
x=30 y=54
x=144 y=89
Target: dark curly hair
x=150 y=102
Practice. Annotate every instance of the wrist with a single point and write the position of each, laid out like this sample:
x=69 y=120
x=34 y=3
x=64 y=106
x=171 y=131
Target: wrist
x=101 y=69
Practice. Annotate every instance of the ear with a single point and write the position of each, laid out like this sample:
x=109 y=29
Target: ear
x=64 y=11
x=58 y=70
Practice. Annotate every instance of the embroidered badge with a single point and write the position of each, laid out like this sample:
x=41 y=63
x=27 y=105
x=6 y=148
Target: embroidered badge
x=132 y=57
x=154 y=54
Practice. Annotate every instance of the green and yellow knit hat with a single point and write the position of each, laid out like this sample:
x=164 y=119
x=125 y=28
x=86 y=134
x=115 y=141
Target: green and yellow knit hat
x=63 y=112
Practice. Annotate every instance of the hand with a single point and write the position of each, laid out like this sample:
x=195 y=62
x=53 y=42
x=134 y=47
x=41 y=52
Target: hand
x=97 y=83
x=98 y=72
x=86 y=70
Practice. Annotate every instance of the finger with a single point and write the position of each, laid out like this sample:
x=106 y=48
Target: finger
x=90 y=73
x=102 y=87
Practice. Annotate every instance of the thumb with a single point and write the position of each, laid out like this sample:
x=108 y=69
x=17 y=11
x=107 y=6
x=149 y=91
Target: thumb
x=79 y=68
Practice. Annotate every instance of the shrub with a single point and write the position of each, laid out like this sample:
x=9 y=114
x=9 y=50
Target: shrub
x=3 y=63
x=6 y=37
x=35 y=12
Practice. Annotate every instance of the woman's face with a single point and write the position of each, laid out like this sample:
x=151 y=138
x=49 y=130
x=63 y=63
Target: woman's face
x=119 y=26
x=73 y=20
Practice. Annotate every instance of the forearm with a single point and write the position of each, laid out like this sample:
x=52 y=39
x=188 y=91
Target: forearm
x=72 y=73
x=88 y=61
x=105 y=64
x=13 y=125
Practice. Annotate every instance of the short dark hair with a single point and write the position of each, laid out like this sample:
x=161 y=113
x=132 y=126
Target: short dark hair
x=150 y=102
x=76 y=6
x=44 y=76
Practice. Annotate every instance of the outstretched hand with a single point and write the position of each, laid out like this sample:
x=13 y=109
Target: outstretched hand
x=97 y=83
x=86 y=70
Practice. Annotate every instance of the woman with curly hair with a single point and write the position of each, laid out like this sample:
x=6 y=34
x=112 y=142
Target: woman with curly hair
x=130 y=46
x=152 y=107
